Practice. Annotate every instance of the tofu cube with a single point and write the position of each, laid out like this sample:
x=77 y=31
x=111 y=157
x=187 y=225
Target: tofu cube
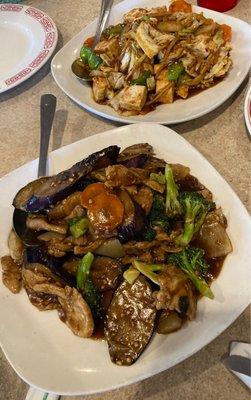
x=99 y=88
x=110 y=47
x=167 y=96
x=133 y=98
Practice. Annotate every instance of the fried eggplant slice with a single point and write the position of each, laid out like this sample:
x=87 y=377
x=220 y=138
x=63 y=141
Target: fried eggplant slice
x=130 y=321
x=45 y=192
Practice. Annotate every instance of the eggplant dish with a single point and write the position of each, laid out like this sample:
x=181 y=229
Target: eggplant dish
x=127 y=244
x=154 y=56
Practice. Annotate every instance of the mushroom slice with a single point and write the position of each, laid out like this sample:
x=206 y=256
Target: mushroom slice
x=16 y=247
x=12 y=276
x=176 y=292
x=76 y=313
x=130 y=321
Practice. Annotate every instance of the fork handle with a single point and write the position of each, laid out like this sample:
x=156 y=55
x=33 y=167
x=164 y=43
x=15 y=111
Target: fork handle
x=47 y=111
x=106 y=6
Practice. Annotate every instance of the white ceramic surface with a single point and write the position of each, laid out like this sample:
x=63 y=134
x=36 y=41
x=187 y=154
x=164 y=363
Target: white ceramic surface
x=46 y=354
x=180 y=110
x=247 y=110
x=28 y=38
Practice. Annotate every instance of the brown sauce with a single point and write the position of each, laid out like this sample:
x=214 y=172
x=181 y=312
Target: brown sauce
x=216 y=265
x=106 y=299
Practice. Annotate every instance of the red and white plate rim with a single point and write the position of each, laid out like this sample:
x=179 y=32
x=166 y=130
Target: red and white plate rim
x=50 y=41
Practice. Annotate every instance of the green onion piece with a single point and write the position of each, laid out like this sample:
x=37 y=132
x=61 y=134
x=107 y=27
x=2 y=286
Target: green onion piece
x=131 y=274
x=78 y=227
x=175 y=71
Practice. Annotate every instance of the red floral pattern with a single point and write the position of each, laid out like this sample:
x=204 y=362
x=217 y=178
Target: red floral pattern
x=18 y=76
x=50 y=39
x=10 y=7
x=34 y=13
x=41 y=56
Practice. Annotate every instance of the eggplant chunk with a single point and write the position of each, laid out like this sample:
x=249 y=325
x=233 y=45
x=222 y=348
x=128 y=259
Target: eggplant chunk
x=130 y=321
x=45 y=192
x=105 y=273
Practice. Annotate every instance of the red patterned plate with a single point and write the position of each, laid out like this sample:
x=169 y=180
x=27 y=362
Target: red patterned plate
x=28 y=38
x=247 y=110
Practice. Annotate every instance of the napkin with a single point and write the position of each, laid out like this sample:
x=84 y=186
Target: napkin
x=241 y=349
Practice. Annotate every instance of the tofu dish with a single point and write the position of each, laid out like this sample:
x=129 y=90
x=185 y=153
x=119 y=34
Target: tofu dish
x=124 y=244
x=155 y=56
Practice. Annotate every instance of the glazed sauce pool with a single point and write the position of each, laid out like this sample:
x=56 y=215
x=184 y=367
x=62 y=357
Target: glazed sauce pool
x=216 y=265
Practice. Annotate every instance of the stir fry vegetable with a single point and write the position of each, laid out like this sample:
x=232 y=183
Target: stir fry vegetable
x=128 y=242
x=192 y=262
x=86 y=286
x=155 y=56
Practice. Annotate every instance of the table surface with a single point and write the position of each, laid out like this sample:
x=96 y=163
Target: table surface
x=220 y=136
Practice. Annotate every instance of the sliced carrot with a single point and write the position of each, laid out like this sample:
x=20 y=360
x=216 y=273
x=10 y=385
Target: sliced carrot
x=91 y=191
x=105 y=212
x=180 y=5
x=89 y=41
x=227 y=32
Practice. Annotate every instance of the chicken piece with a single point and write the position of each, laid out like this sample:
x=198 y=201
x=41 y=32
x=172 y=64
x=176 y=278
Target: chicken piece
x=99 y=88
x=110 y=47
x=133 y=98
x=136 y=248
x=42 y=301
x=118 y=175
x=76 y=313
x=11 y=274
x=157 y=187
x=63 y=208
x=145 y=41
x=144 y=257
x=39 y=278
x=58 y=248
x=16 y=247
x=134 y=14
x=116 y=80
x=144 y=198
x=132 y=189
x=91 y=246
x=77 y=212
x=39 y=223
x=176 y=292
x=105 y=273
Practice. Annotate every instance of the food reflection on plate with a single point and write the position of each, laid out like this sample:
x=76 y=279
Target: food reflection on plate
x=129 y=244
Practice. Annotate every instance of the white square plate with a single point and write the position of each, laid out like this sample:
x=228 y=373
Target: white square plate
x=46 y=354
x=180 y=110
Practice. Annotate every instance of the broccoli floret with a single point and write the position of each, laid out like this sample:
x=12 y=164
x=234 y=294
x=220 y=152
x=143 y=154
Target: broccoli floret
x=87 y=287
x=173 y=207
x=149 y=234
x=192 y=262
x=195 y=208
x=157 y=215
x=149 y=270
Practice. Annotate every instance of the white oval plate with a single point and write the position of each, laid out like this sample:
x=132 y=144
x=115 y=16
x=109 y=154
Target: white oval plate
x=247 y=110
x=28 y=38
x=180 y=110
x=46 y=354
